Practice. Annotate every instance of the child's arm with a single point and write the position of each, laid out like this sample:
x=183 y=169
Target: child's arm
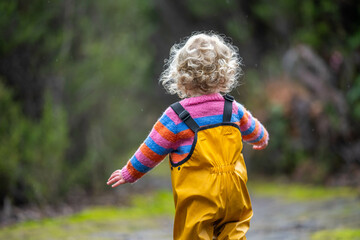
x=252 y=130
x=156 y=146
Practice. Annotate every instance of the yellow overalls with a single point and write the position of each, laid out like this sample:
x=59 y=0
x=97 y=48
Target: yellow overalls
x=209 y=186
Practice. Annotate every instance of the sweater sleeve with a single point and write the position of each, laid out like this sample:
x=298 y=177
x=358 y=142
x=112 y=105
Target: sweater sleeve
x=153 y=150
x=252 y=130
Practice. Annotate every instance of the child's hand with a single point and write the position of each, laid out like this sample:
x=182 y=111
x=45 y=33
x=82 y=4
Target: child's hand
x=116 y=179
x=259 y=147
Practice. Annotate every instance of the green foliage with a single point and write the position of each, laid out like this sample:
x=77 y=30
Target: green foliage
x=11 y=132
x=96 y=59
x=31 y=152
x=353 y=96
x=354 y=41
x=286 y=160
x=105 y=86
x=276 y=10
x=316 y=25
x=32 y=22
x=238 y=32
x=44 y=146
x=278 y=125
x=203 y=8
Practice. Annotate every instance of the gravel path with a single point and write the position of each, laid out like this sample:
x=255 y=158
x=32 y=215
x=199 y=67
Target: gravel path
x=277 y=219
x=273 y=219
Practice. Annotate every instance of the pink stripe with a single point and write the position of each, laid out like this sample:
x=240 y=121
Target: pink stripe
x=258 y=134
x=205 y=110
x=127 y=176
x=248 y=123
x=156 y=137
x=235 y=108
x=203 y=98
x=201 y=110
x=173 y=116
x=144 y=160
x=238 y=105
x=183 y=142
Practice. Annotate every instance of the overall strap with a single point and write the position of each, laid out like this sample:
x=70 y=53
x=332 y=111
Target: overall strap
x=227 y=108
x=185 y=116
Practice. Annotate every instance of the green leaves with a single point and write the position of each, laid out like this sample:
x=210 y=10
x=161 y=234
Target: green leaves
x=31 y=152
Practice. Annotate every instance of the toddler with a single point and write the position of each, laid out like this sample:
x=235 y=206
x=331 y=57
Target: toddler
x=203 y=134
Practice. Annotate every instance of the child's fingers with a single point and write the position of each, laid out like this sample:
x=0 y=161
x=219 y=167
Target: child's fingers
x=259 y=147
x=121 y=181
x=114 y=180
x=114 y=174
x=112 y=177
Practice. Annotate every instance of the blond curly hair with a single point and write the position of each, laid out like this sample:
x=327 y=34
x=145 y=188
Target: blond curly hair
x=204 y=63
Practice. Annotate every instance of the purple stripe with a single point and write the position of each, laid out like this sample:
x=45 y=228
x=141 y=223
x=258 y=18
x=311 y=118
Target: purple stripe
x=172 y=116
x=144 y=160
x=248 y=123
x=200 y=111
x=162 y=142
x=127 y=176
x=186 y=141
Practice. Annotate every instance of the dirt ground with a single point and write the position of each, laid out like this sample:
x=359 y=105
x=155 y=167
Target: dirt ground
x=273 y=219
x=277 y=215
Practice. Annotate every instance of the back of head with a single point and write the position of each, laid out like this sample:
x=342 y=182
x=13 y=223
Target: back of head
x=205 y=63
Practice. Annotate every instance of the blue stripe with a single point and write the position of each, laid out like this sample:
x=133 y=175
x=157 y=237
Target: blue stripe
x=168 y=123
x=234 y=118
x=181 y=127
x=184 y=149
x=240 y=110
x=259 y=137
x=155 y=147
x=138 y=165
x=202 y=121
x=250 y=129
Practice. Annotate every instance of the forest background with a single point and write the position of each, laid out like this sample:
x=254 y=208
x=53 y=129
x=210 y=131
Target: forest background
x=79 y=87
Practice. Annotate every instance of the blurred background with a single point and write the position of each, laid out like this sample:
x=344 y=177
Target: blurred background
x=79 y=87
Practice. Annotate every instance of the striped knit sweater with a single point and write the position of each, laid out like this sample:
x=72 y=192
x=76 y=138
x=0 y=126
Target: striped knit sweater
x=171 y=136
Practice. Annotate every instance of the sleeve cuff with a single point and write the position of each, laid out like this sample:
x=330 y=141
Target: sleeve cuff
x=127 y=176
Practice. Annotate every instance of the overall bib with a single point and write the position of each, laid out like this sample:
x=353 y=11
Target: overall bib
x=209 y=186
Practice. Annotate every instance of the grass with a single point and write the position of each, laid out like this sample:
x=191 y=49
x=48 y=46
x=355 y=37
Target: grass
x=160 y=203
x=297 y=192
x=337 y=234
x=88 y=223
x=99 y=222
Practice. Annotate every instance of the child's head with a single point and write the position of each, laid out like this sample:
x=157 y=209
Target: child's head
x=205 y=63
